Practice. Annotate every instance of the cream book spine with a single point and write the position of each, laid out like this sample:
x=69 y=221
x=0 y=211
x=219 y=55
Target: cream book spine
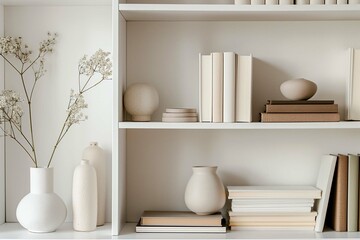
x=353 y=193
x=217 y=90
x=243 y=94
x=324 y=181
x=229 y=87
x=205 y=88
x=353 y=86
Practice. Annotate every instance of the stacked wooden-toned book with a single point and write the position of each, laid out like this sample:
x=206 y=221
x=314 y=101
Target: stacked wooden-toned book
x=180 y=222
x=273 y=207
x=300 y=111
x=180 y=115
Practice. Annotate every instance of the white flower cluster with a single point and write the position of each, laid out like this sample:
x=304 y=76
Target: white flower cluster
x=10 y=110
x=97 y=63
x=76 y=105
x=14 y=46
x=47 y=46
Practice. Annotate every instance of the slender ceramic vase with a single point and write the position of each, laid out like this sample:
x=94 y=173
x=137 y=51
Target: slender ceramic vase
x=96 y=157
x=84 y=197
x=41 y=210
x=205 y=193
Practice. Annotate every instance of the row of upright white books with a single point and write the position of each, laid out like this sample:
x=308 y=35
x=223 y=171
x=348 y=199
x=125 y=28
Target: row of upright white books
x=296 y=2
x=273 y=207
x=225 y=86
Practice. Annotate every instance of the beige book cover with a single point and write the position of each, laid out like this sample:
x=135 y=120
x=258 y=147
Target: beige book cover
x=179 y=218
x=243 y=85
x=205 y=88
x=337 y=211
x=302 y=108
x=300 y=117
x=217 y=86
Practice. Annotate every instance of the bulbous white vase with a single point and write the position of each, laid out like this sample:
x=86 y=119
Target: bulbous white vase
x=42 y=210
x=84 y=197
x=205 y=193
x=141 y=100
x=96 y=157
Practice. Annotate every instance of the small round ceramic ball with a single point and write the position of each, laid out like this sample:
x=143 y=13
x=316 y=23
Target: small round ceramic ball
x=298 y=89
x=141 y=100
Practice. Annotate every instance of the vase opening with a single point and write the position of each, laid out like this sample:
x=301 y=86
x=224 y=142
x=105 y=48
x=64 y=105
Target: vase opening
x=200 y=169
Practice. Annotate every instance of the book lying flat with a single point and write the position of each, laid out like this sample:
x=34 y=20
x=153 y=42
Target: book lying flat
x=280 y=201
x=300 y=117
x=179 y=229
x=300 y=102
x=271 y=209
x=274 y=192
x=301 y=108
x=272 y=224
x=274 y=217
x=267 y=228
x=264 y=215
x=179 y=218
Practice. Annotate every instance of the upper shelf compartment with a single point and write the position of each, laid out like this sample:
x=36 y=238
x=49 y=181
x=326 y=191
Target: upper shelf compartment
x=55 y=2
x=229 y=12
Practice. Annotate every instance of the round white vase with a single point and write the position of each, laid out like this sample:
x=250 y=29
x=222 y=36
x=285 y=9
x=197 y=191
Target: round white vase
x=205 y=193
x=298 y=89
x=141 y=100
x=42 y=210
x=84 y=197
x=96 y=157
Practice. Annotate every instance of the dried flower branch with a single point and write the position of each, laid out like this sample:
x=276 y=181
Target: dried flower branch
x=98 y=65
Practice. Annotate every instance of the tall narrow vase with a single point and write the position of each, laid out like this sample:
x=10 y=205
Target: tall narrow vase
x=41 y=210
x=96 y=157
x=205 y=193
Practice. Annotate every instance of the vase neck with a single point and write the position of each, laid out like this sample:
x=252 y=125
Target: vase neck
x=41 y=180
x=204 y=169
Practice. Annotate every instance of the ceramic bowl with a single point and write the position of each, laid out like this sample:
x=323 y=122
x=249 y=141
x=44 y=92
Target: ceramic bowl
x=298 y=89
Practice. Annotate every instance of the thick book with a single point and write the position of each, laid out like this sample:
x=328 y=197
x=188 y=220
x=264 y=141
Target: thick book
x=273 y=201
x=273 y=224
x=270 y=192
x=269 y=228
x=229 y=87
x=300 y=117
x=324 y=181
x=353 y=86
x=337 y=210
x=179 y=218
x=301 y=108
x=243 y=94
x=205 y=88
x=217 y=86
x=307 y=102
x=353 y=193
x=269 y=217
x=271 y=209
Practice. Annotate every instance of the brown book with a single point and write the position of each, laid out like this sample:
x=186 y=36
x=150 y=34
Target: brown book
x=275 y=102
x=337 y=210
x=301 y=108
x=179 y=218
x=300 y=117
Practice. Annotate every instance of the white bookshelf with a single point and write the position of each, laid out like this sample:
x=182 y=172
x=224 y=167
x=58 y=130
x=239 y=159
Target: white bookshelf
x=240 y=126
x=161 y=42
x=231 y=12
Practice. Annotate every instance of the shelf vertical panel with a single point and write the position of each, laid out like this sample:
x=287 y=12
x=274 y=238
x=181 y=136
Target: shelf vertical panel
x=119 y=135
x=2 y=142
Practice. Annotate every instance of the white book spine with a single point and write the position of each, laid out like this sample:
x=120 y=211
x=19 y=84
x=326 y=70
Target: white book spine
x=317 y=2
x=286 y=2
x=354 y=1
x=243 y=2
x=353 y=103
x=341 y=2
x=229 y=87
x=205 y=88
x=330 y=2
x=353 y=193
x=217 y=87
x=243 y=92
x=302 y=2
x=272 y=2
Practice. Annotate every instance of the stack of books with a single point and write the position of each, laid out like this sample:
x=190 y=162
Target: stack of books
x=225 y=86
x=180 y=115
x=180 y=222
x=300 y=111
x=273 y=207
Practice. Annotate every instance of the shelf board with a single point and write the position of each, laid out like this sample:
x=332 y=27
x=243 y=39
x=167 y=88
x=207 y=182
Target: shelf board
x=230 y=12
x=128 y=232
x=15 y=231
x=55 y=2
x=244 y=126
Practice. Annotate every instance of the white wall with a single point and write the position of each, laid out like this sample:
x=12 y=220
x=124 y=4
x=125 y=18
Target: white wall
x=2 y=149
x=82 y=30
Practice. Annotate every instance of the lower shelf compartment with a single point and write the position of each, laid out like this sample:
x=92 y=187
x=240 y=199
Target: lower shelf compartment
x=16 y=231
x=128 y=232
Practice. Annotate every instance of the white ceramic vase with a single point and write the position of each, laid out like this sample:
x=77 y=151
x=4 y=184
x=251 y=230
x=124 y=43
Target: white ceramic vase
x=84 y=197
x=141 y=100
x=41 y=210
x=298 y=89
x=205 y=193
x=96 y=157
